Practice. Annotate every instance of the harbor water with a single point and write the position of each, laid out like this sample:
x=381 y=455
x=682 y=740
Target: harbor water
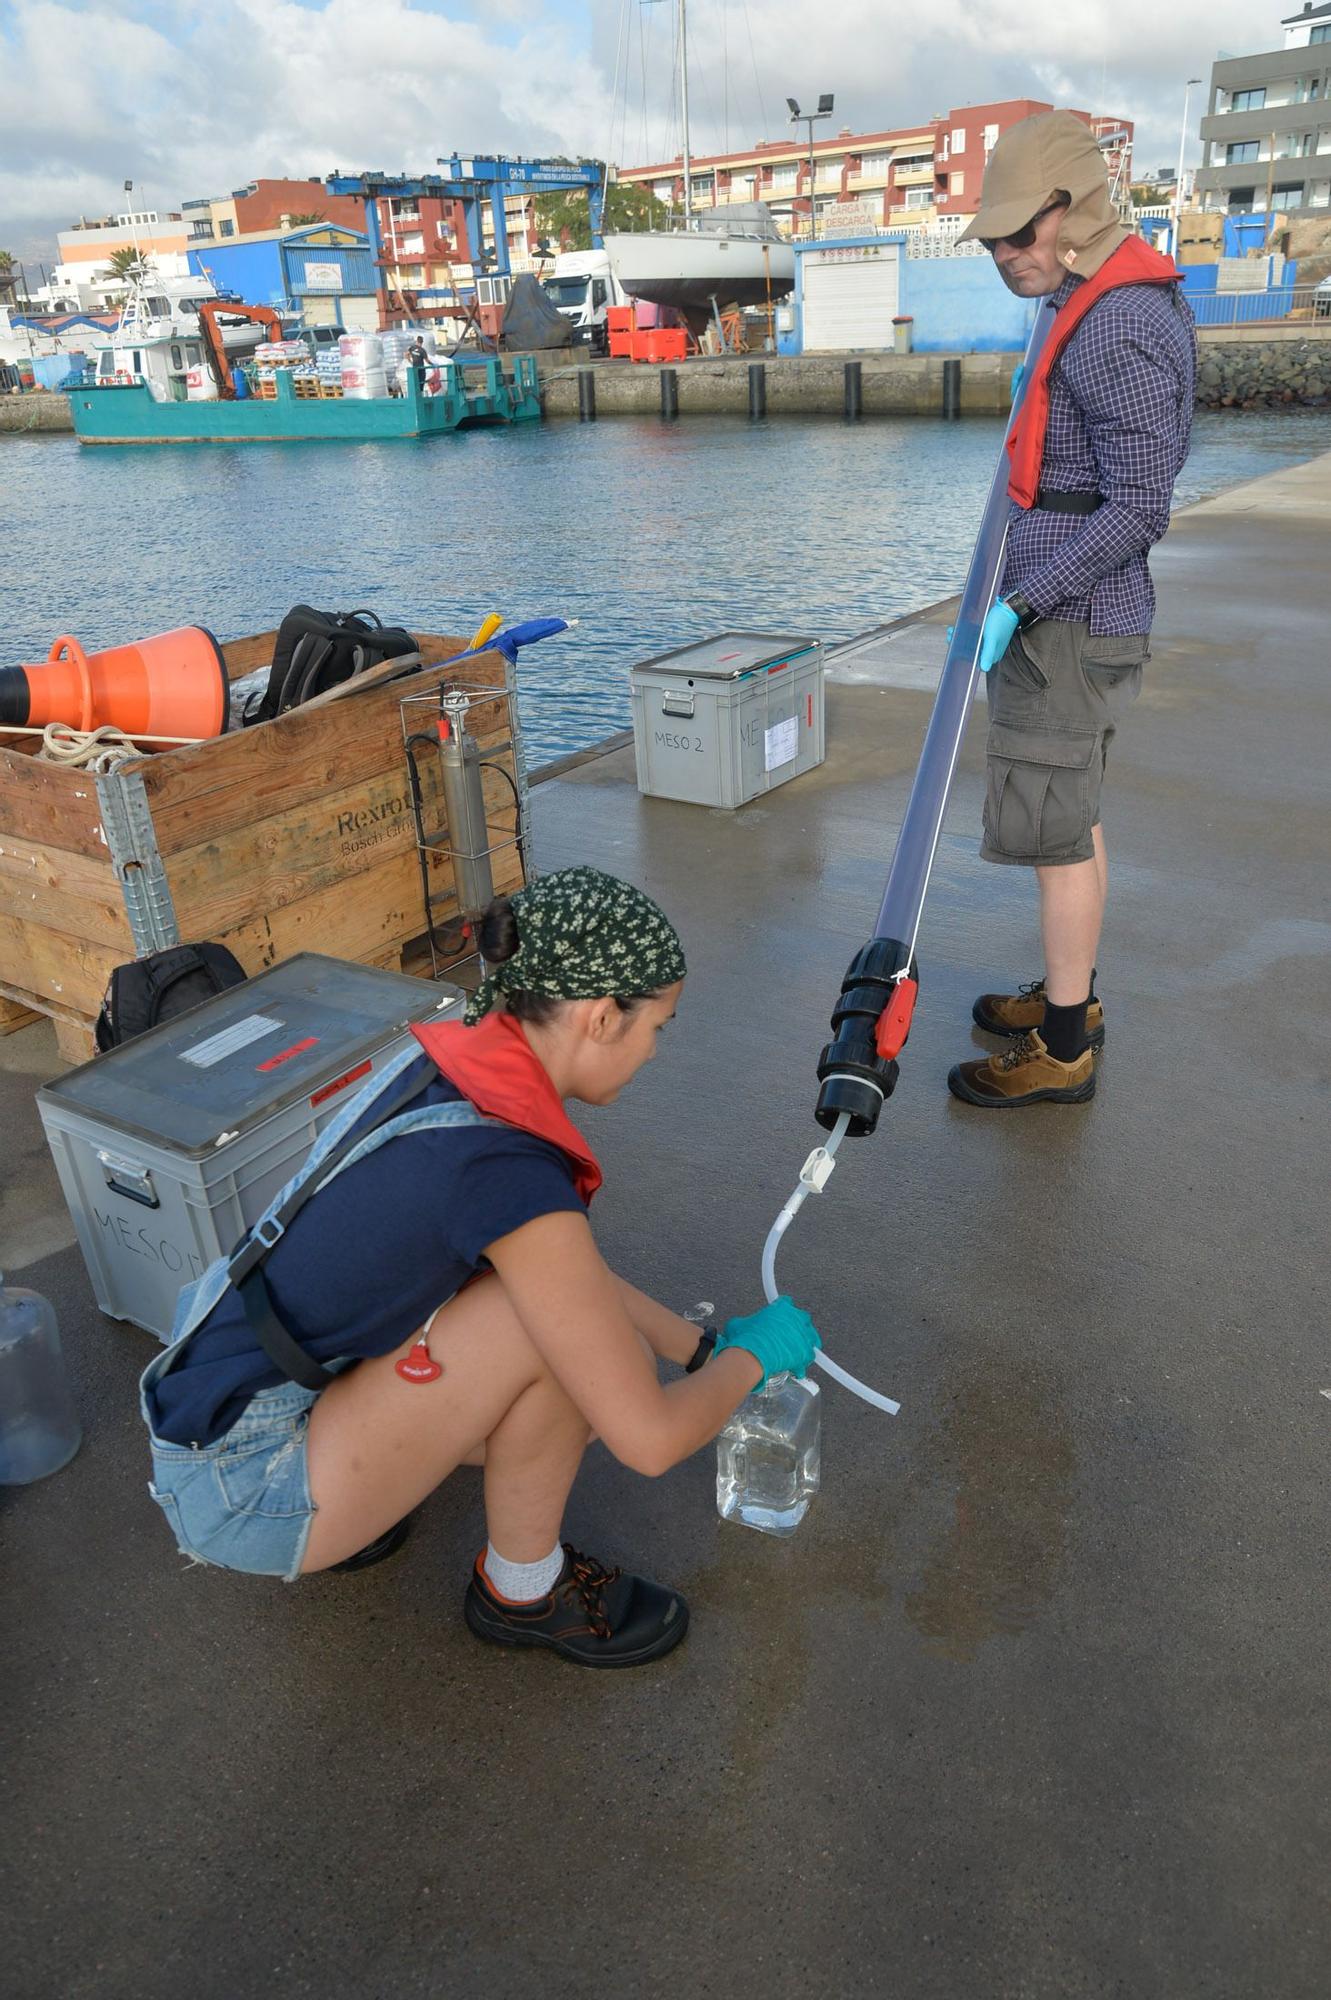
x=648 y=534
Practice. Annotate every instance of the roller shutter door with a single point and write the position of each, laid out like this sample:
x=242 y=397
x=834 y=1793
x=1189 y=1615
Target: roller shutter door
x=360 y=315
x=849 y=302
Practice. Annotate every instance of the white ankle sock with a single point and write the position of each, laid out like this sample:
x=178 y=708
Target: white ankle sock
x=522 y=1581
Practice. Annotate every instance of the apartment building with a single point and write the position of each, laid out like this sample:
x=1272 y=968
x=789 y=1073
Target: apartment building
x=905 y=178
x=1266 y=136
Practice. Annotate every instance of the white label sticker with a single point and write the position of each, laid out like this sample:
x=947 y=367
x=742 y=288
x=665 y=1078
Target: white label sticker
x=239 y=1035
x=781 y=743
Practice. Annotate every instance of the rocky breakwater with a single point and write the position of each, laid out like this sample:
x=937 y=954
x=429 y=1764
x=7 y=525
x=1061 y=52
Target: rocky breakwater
x=1258 y=374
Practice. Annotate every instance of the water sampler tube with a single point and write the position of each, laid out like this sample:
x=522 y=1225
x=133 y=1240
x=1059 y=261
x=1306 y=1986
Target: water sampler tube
x=857 y=1070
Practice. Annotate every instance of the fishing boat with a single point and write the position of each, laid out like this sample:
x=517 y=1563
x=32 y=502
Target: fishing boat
x=165 y=380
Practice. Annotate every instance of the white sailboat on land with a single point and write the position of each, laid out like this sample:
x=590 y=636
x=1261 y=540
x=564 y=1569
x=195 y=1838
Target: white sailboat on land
x=728 y=257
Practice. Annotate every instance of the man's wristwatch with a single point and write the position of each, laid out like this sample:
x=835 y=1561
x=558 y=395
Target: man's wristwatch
x=1025 y=610
x=703 y=1351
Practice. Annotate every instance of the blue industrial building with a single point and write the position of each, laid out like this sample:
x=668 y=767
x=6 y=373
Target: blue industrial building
x=324 y=273
x=852 y=292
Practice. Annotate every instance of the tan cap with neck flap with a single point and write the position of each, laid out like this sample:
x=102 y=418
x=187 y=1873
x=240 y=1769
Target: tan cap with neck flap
x=1033 y=162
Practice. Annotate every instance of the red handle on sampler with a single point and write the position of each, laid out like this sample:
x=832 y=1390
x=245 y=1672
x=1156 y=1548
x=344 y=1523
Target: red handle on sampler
x=895 y=1019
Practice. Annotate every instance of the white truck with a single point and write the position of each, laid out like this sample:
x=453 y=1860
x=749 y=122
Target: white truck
x=583 y=286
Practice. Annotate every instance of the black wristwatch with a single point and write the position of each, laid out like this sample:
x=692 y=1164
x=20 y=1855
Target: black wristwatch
x=703 y=1351
x=1025 y=610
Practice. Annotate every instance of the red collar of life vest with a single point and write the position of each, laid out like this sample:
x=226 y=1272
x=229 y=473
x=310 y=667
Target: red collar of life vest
x=1133 y=263
x=497 y=1070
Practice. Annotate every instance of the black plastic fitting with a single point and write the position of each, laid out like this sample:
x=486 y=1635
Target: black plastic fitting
x=853 y=1076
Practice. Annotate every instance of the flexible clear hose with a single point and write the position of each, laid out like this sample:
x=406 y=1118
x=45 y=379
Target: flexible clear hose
x=774 y=1235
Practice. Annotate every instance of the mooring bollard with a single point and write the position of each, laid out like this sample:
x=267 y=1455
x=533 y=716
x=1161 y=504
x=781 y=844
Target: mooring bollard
x=757 y=389
x=669 y=393
x=854 y=390
x=951 y=388
x=586 y=395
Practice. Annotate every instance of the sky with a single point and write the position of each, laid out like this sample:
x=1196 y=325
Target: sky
x=188 y=99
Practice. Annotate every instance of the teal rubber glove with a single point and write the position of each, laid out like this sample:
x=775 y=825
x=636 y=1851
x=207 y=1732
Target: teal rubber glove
x=781 y=1338
x=997 y=634
x=1018 y=377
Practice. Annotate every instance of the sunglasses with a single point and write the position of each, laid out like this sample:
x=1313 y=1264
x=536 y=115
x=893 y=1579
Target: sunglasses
x=1021 y=239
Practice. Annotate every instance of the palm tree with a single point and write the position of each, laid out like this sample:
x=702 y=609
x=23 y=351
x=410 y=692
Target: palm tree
x=124 y=262
x=8 y=273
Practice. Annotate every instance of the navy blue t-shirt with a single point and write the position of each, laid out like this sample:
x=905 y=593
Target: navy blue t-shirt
x=369 y=1258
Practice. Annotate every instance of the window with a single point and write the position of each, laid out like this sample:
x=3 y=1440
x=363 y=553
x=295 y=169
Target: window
x=873 y=166
x=942 y=149
x=956 y=183
x=176 y=361
x=990 y=138
x=958 y=138
x=411 y=246
x=598 y=291
x=785 y=176
x=228 y=228
x=919 y=198
x=1248 y=100
x=1307 y=90
x=1246 y=149
x=1321 y=34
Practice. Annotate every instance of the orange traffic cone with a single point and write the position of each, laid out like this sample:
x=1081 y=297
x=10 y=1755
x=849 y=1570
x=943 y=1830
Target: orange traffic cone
x=171 y=685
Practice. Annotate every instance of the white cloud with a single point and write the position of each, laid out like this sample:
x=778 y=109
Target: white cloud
x=196 y=99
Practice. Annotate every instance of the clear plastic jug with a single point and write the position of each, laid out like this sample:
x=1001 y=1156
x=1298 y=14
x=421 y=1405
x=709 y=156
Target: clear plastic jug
x=39 y=1426
x=769 y=1457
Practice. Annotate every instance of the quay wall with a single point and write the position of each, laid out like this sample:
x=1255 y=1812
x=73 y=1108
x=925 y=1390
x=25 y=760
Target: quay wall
x=796 y=385
x=1286 y=366
x=38 y=410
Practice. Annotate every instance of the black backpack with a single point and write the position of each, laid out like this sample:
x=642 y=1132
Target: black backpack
x=157 y=988
x=317 y=650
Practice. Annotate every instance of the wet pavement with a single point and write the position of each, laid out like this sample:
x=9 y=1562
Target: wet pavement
x=1034 y=1704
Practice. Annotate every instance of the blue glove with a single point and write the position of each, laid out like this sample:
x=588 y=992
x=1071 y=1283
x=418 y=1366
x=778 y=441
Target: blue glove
x=997 y=634
x=1018 y=377
x=781 y=1338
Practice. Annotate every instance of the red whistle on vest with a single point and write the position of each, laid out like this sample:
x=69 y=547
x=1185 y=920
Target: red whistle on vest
x=419 y=1366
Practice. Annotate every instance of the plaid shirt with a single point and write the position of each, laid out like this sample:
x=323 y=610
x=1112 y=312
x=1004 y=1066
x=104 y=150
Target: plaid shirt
x=1120 y=415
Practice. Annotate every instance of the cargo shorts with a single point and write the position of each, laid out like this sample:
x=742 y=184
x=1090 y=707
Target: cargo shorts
x=1055 y=699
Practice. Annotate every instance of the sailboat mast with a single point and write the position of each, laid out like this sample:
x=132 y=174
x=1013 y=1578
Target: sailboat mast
x=684 y=111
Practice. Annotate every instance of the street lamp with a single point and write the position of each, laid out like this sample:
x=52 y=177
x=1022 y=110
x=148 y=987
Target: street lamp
x=1182 y=143
x=809 y=118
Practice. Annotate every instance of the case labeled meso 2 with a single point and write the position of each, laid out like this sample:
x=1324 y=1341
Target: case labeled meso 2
x=723 y=721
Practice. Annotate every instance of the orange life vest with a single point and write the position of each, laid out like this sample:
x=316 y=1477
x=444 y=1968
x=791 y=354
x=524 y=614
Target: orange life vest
x=497 y=1070
x=1133 y=263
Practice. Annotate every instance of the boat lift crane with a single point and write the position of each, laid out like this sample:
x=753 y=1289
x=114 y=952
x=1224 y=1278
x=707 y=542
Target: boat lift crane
x=471 y=182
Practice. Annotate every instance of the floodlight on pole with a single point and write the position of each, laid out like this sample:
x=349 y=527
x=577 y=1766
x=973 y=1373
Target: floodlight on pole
x=809 y=118
x=1182 y=145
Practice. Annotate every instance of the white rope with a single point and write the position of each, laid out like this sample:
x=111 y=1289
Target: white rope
x=95 y=750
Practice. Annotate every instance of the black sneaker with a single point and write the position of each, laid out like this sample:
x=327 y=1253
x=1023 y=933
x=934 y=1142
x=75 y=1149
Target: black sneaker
x=596 y=1616
x=376 y=1551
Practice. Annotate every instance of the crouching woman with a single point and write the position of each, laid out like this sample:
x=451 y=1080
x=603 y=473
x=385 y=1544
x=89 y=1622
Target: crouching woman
x=432 y=1296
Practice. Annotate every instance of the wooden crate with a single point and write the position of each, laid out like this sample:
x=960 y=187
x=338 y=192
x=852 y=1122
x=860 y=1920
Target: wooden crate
x=294 y=836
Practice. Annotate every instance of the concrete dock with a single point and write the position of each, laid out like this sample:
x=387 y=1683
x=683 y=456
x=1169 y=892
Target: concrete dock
x=1034 y=1704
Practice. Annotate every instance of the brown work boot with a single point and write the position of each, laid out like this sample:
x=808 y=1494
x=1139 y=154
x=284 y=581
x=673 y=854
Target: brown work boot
x=1025 y=1073
x=1017 y=1013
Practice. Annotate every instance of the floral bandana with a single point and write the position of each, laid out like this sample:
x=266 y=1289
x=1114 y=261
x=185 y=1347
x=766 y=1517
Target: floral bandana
x=583 y=935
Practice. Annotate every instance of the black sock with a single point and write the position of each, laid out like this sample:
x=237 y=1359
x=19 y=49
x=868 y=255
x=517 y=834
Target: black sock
x=1063 y=1030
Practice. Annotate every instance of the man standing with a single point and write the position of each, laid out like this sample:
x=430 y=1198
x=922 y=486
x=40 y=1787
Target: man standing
x=1097 y=445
